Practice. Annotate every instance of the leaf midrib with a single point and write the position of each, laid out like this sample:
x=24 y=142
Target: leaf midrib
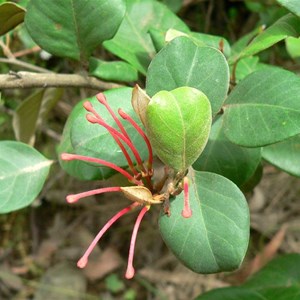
x=26 y=170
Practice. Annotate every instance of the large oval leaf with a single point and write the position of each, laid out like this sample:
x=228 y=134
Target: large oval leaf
x=178 y=125
x=132 y=42
x=225 y=158
x=284 y=155
x=73 y=28
x=95 y=141
x=183 y=63
x=23 y=171
x=264 y=108
x=216 y=237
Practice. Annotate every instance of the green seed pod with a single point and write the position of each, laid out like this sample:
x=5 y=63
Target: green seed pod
x=178 y=125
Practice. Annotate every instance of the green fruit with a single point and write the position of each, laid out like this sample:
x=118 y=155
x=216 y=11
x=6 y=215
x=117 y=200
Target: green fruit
x=178 y=125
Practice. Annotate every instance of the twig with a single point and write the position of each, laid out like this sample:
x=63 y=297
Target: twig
x=43 y=80
x=19 y=63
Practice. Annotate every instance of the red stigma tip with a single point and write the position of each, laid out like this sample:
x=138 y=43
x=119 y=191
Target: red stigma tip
x=72 y=198
x=82 y=262
x=129 y=272
x=186 y=213
x=122 y=113
x=92 y=119
x=101 y=98
x=88 y=106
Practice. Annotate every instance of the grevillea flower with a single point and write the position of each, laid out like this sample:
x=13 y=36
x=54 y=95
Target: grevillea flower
x=141 y=193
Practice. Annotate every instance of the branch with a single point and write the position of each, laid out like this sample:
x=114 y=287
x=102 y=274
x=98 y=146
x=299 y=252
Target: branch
x=25 y=80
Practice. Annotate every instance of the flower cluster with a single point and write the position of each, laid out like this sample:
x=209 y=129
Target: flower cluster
x=140 y=175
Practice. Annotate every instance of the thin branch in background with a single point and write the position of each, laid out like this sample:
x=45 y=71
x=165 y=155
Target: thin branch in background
x=22 y=64
x=44 y=80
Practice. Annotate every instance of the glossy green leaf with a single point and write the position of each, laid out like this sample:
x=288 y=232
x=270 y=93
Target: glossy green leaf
x=32 y=111
x=225 y=158
x=23 y=171
x=291 y=5
x=288 y=25
x=285 y=155
x=113 y=70
x=216 y=237
x=264 y=108
x=132 y=42
x=93 y=140
x=178 y=125
x=11 y=15
x=183 y=63
x=73 y=28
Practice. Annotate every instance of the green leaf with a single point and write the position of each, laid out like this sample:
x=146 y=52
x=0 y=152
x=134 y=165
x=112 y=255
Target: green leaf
x=279 y=280
x=246 y=66
x=291 y=5
x=264 y=108
x=231 y=293
x=32 y=111
x=75 y=168
x=284 y=155
x=240 y=293
x=23 y=171
x=293 y=46
x=288 y=25
x=281 y=272
x=132 y=42
x=183 y=63
x=201 y=40
x=84 y=138
x=216 y=237
x=112 y=71
x=174 y=5
x=225 y=158
x=73 y=28
x=178 y=125
x=11 y=15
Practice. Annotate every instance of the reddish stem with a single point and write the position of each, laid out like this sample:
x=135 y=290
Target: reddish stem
x=84 y=259
x=75 y=197
x=116 y=133
x=130 y=269
x=89 y=107
x=69 y=156
x=186 y=212
x=125 y=116
x=102 y=99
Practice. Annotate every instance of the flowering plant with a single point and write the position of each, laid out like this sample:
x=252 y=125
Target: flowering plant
x=174 y=153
